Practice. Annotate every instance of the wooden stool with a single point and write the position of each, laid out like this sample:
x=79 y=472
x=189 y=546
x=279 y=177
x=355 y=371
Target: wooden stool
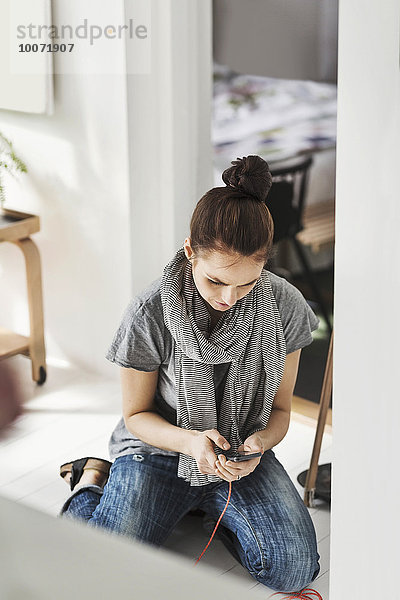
x=16 y=227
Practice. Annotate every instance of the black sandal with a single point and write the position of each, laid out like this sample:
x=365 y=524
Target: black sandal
x=76 y=468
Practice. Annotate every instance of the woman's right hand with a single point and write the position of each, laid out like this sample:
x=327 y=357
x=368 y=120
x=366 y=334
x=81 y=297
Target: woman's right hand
x=202 y=449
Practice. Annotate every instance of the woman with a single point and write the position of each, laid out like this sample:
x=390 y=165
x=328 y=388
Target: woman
x=209 y=354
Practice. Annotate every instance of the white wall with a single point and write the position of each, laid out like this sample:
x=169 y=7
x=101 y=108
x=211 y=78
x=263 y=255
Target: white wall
x=114 y=174
x=74 y=560
x=365 y=527
x=78 y=184
x=290 y=39
x=170 y=152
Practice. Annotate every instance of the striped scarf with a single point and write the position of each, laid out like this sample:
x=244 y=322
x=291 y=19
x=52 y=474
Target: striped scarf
x=249 y=336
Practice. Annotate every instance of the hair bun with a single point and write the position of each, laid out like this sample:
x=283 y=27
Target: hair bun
x=250 y=175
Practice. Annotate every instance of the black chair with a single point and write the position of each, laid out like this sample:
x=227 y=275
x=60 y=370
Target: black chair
x=285 y=202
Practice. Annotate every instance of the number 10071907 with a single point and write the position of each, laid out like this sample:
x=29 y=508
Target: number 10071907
x=45 y=47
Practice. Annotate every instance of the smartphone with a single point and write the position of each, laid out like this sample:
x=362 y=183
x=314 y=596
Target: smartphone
x=241 y=456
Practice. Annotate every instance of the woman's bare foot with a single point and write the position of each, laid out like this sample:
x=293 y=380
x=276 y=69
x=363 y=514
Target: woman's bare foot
x=87 y=471
x=89 y=477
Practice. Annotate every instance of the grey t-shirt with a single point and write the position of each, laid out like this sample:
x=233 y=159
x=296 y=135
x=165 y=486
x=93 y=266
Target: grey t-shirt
x=143 y=342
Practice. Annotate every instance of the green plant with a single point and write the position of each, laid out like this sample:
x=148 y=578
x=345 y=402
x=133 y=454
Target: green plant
x=9 y=163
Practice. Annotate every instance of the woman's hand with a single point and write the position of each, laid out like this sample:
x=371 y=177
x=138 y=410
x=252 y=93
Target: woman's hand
x=229 y=470
x=202 y=449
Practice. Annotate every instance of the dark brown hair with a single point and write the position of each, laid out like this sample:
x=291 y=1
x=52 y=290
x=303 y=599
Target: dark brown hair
x=235 y=218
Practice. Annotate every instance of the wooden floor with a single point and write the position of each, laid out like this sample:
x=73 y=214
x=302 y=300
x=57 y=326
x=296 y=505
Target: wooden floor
x=73 y=414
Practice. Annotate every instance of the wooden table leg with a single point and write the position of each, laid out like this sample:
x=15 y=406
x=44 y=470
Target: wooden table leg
x=37 y=350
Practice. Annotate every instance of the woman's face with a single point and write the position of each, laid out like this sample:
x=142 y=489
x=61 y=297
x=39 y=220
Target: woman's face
x=219 y=282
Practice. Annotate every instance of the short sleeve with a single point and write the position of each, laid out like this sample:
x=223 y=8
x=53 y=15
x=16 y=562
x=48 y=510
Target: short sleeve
x=298 y=319
x=138 y=341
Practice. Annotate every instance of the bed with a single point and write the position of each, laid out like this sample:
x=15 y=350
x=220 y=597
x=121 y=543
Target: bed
x=278 y=119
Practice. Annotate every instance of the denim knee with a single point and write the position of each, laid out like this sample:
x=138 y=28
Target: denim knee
x=82 y=502
x=289 y=571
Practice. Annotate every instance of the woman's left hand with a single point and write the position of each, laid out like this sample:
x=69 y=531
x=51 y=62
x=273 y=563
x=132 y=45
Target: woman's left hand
x=231 y=471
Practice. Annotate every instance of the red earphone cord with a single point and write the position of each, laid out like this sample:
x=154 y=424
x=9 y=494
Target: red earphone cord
x=303 y=594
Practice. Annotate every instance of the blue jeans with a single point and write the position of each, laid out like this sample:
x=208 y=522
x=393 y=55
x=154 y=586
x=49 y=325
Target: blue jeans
x=266 y=526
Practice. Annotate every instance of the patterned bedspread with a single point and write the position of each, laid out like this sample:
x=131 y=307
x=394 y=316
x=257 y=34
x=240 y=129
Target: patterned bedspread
x=274 y=118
